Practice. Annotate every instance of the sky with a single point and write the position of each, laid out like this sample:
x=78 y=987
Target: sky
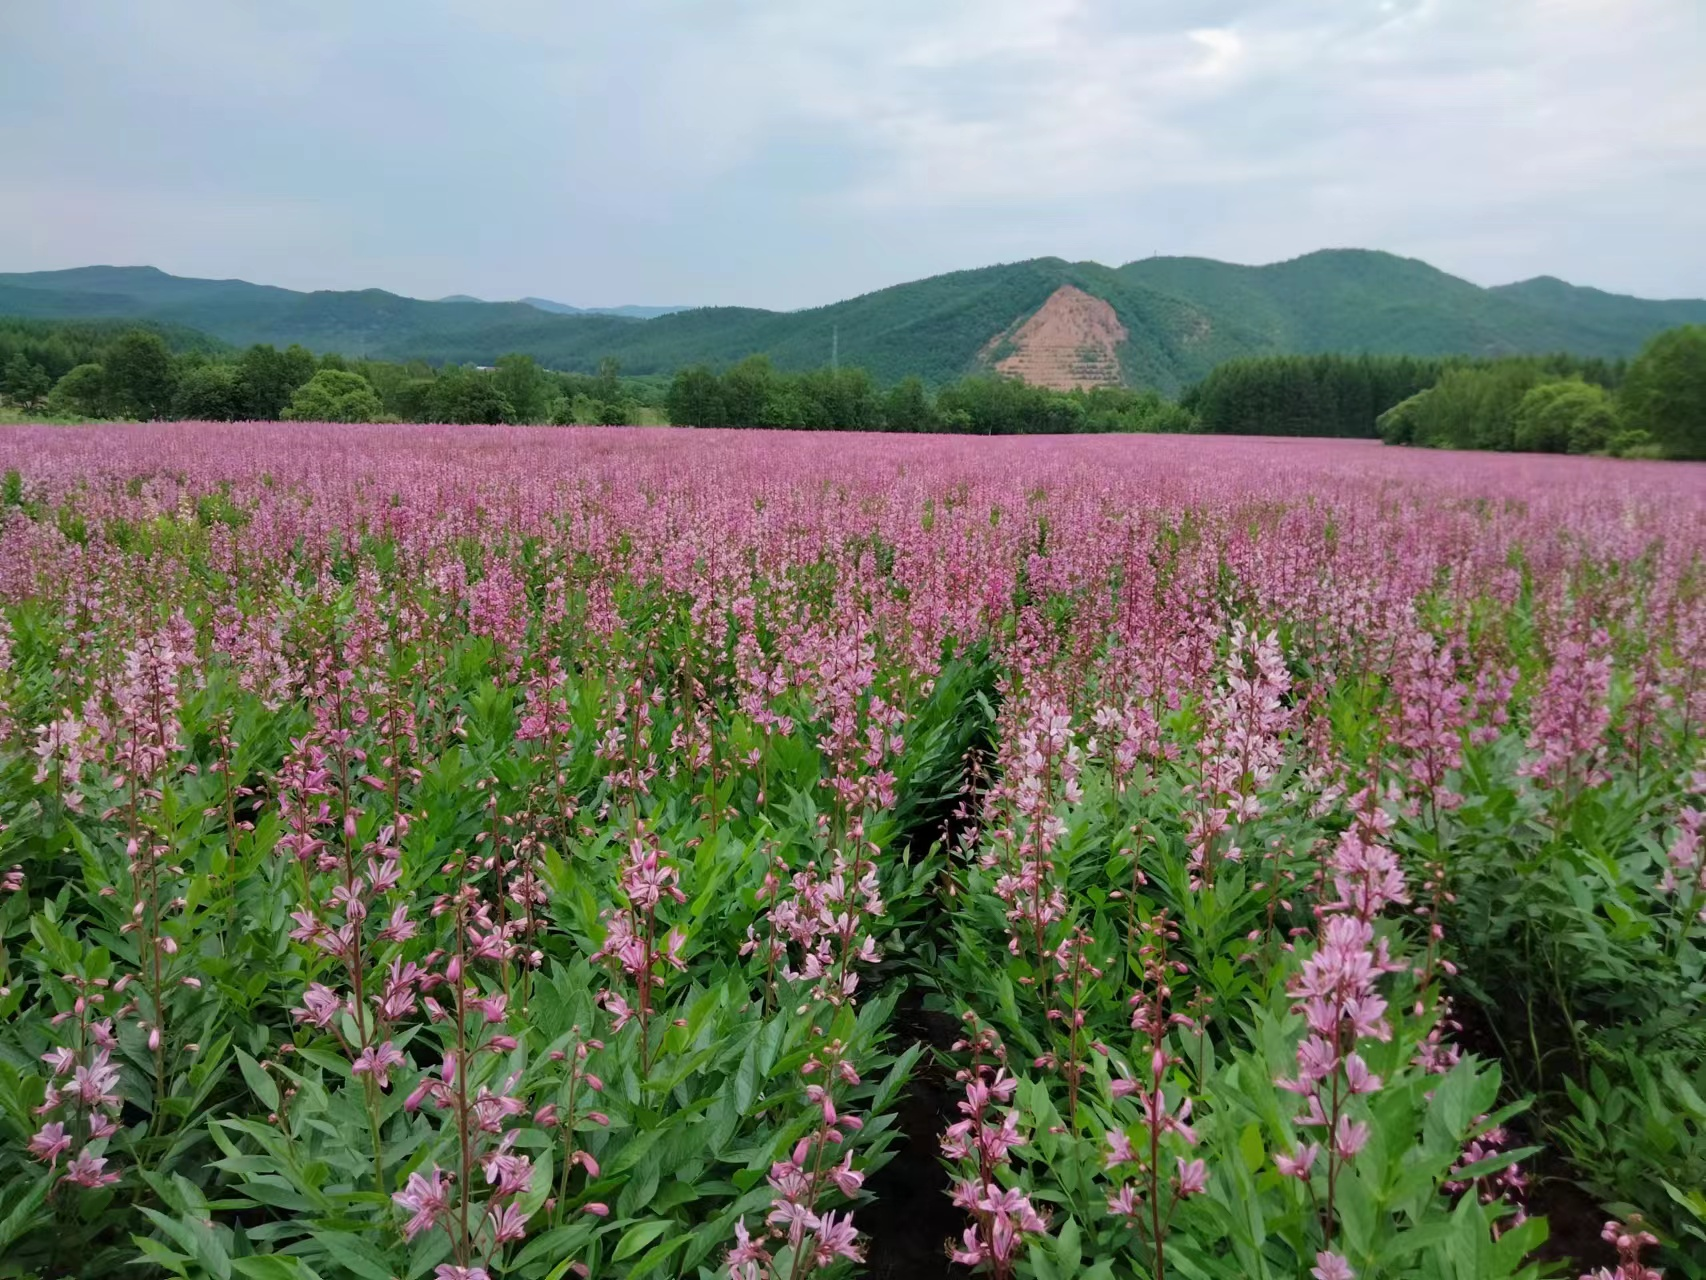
x=787 y=153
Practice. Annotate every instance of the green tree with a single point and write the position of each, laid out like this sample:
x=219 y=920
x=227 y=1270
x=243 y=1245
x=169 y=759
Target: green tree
x=462 y=395
x=206 y=393
x=140 y=374
x=524 y=385
x=1564 y=417
x=695 y=399
x=747 y=389
x=1665 y=392
x=81 y=393
x=907 y=407
x=609 y=385
x=335 y=395
x=1402 y=423
x=299 y=364
x=24 y=381
x=265 y=383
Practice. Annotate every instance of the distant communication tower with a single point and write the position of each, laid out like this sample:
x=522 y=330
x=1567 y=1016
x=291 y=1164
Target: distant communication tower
x=835 y=349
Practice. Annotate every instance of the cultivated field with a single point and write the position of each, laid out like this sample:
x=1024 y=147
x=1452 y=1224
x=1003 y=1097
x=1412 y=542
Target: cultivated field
x=484 y=852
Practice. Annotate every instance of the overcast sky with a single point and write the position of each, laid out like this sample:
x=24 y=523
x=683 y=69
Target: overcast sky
x=786 y=153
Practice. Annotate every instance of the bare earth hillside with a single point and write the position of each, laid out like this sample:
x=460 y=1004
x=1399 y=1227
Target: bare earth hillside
x=1070 y=341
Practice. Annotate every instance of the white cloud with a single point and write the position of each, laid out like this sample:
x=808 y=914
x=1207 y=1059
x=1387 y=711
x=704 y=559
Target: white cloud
x=786 y=152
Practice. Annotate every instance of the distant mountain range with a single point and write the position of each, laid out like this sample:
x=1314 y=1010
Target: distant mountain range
x=1160 y=322
x=564 y=309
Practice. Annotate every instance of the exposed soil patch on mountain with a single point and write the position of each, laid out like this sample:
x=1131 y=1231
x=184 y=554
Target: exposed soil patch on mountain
x=1070 y=341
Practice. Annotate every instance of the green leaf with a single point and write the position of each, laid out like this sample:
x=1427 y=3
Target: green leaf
x=1067 y=1247
x=637 y=1238
x=746 y=1079
x=197 y=1237
x=18 y=1220
x=263 y=1085
x=1250 y=1147
x=273 y=1266
x=354 y=1254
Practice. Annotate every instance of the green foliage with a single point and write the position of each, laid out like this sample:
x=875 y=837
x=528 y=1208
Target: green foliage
x=907 y=407
x=1470 y=407
x=1321 y=395
x=24 y=382
x=140 y=375
x=524 y=385
x=208 y=393
x=1665 y=394
x=1564 y=417
x=267 y=379
x=753 y=393
x=1561 y=404
x=696 y=398
x=467 y=396
x=82 y=391
x=995 y=406
x=333 y=395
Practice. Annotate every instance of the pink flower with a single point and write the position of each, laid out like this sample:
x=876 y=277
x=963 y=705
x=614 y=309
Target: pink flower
x=400 y=928
x=836 y=1237
x=1298 y=1166
x=1349 y=1137
x=1358 y=1078
x=1119 y=1148
x=1330 y=1266
x=427 y=1198
x=618 y=1008
x=508 y=1224
x=1192 y=1178
x=85 y=1170
x=847 y=1179
x=49 y=1142
x=974 y=1253
x=1123 y=1203
x=60 y=1061
x=379 y=1060
x=748 y=1259
x=320 y=1004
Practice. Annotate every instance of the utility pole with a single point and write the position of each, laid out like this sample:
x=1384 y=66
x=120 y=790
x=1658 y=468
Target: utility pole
x=835 y=349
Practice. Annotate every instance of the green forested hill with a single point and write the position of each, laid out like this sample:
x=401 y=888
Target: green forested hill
x=1182 y=316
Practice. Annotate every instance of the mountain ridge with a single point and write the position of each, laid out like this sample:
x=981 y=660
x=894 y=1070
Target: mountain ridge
x=1175 y=316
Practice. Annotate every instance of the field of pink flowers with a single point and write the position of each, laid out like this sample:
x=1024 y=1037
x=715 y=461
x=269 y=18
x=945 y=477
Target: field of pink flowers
x=500 y=852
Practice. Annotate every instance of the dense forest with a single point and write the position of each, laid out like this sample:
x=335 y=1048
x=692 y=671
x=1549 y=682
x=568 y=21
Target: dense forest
x=100 y=369
x=1654 y=406
x=754 y=393
x=1329 y=395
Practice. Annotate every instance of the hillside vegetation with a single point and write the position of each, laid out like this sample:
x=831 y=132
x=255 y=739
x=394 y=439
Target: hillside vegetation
x=1181 y=316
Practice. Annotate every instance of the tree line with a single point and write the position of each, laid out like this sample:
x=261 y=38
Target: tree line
x=753 y=393
x=108 y=371
x=1654 y=406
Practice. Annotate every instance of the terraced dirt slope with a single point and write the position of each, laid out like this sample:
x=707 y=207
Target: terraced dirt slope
x=1072 y=340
